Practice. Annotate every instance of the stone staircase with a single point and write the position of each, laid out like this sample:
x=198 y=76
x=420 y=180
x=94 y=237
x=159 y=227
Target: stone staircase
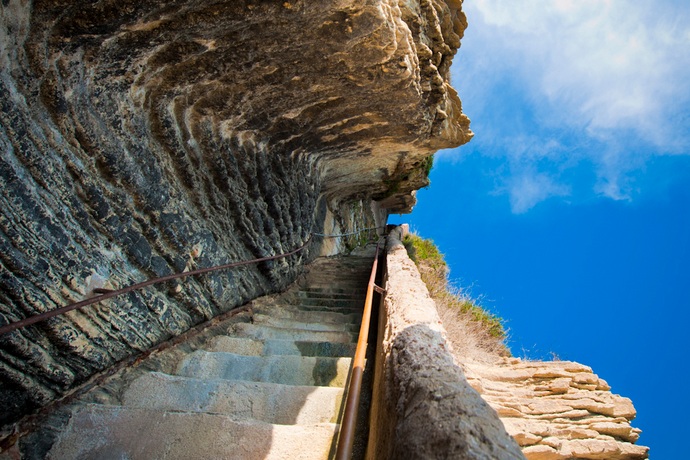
x=268 y=384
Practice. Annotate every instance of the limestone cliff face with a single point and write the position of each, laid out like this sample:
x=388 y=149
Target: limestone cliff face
x=145 y=138
x=558 y=410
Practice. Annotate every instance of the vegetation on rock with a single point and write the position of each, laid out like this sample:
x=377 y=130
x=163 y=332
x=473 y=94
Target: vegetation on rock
x=470 y=327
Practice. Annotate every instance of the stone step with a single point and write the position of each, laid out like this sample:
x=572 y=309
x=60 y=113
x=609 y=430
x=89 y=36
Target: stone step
x=336 y=281
x=333 y=290
x=336 y=277
x=252 y=347
x=356 y=266
x=292 y=312
x=288 y=370
x=344 y=269
x=308 y=293
x=113 y=432
x=278 y=333
x=358 y=288
x=337 y=274
x=285 y=323
x=329 y=302
x=271 y=388
x=268 y=402
x=352 y=290
x=326 y=308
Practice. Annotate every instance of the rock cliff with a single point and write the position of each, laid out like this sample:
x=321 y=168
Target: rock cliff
x=142 y=138
x=558 y=410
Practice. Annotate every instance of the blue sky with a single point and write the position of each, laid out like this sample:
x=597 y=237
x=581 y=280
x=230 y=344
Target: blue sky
x=568 y=214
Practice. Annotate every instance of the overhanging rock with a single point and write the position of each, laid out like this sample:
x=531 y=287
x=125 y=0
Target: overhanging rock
x=145 y=138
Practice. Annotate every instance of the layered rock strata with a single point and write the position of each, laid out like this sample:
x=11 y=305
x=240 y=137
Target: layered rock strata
x=558 y=410
x=145 y=138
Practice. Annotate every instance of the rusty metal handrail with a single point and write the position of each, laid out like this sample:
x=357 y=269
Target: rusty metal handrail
x=347 y=427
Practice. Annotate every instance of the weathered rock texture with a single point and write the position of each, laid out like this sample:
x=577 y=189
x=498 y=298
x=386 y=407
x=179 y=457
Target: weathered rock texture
x=141 y=138
x=423 y=405
x=558 y=410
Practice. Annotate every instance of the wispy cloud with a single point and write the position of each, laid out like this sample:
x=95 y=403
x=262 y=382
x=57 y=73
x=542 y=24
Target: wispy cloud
x=607 y=78
x=526 y=190
x=608 y=63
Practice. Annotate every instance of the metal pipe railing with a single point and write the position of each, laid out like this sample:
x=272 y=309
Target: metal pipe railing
x=349 y=422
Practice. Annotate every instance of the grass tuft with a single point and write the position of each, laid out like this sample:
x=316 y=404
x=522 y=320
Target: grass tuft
x=471 y=329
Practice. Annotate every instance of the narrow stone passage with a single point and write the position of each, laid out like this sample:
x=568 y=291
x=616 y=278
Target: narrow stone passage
x=266 y=384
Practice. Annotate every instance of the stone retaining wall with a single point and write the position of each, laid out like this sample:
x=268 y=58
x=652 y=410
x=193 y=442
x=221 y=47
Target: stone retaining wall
x=423 y=406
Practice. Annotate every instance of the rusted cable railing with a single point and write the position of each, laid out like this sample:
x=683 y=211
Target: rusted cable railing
x=347 y=427
x=107 y=294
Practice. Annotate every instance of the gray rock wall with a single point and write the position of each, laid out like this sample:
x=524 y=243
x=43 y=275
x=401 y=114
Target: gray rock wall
x=144 y=138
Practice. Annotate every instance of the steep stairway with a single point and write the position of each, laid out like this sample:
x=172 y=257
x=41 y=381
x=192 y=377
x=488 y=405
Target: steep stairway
x=266 y=384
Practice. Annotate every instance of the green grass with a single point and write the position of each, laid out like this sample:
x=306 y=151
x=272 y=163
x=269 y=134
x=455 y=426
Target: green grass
x=423 y=250
x=434 y=271
x=427 y=164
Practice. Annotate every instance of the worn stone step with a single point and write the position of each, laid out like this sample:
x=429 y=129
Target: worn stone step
x=343 y=266
x=286 y=323
x=338 y=273
x=278 y=333
x=341 y=291
x=329 y=302
x=343 y=284
x=308 y=293
x=268 y=402
x=336 y=276
x=113 y=432
x=340 y=266
x=326 y=308
x=327 y=298
x=349 y=266
x=292 y=312
x=288 y=370
x=253 y=347
x=334 y=290
x=344 y=291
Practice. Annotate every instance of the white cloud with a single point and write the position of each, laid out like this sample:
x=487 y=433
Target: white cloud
x=527 y=190
x=607 y=63
x=611 y=75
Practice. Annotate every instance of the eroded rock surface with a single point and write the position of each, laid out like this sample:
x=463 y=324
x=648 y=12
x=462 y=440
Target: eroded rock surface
x=145 y=138
x=558 y=410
